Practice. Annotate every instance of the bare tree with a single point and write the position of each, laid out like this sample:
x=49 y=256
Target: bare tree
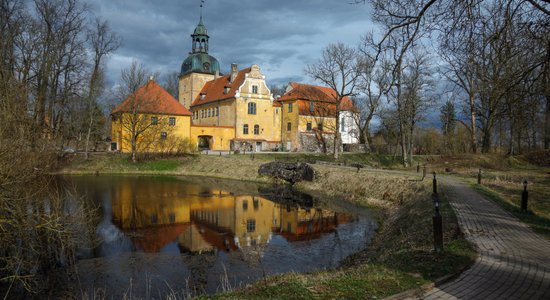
x=374 y=84
x=170 y=82
x=103 y=42
x=339 y=68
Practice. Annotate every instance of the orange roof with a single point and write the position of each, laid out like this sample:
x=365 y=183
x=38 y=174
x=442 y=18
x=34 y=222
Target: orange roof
x=308 y=92
x=214 y=90
x=152 y=239
x=152 y=98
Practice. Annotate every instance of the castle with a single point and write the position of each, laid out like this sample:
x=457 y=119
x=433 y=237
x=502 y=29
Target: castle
x=235 y=111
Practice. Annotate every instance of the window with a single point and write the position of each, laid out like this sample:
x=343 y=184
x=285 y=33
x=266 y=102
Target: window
x=320 y=126
x=251 y=108
x=217 y=111
x=254 y=89
x=250 y=225
x=209 y=112
x=311 y=106
x=172 y=121
x=154 y=120
x=245 y=129
x=154 y=219
x=245 y=204
x=308 y=126
x=172 y=217
x=163 y=135
x=290 y=107
x=256 y=129
x=342 y=125
x=288 y=126
x=202 y=114
x=255 y=203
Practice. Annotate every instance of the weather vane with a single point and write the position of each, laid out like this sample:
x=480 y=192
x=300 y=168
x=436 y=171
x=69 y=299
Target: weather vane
x=202 y=3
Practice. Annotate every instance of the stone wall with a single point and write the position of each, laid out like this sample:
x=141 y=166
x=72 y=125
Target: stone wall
x=316 y=142
x=356 y=148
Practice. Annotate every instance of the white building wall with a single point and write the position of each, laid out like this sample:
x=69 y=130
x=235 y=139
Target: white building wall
x=349 y=131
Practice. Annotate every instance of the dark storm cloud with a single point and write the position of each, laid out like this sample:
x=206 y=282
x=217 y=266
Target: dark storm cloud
x=280 y=36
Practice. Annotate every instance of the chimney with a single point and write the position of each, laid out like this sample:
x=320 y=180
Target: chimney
x=233 y=73
x=217 y=74
x=151 y=78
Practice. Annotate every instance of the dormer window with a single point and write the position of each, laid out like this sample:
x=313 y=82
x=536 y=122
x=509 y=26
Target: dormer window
x=226 y=89
x=202 y=96
x=254 y=89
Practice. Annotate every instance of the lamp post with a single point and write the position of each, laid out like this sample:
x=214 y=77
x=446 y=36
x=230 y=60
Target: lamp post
x=434 y=185
x=424 y=172
x=524 y=196
x=438 y=225
x=479 y=177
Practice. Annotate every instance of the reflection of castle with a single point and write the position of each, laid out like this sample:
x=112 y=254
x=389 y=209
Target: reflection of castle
x=208 y=219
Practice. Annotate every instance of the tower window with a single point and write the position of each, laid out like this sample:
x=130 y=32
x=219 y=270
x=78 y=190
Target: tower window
x=206 y=66
x=290 y=107
x=254 y=89
x=245 y=129
x=288 y=126
x=256 y=129
x=251 y=108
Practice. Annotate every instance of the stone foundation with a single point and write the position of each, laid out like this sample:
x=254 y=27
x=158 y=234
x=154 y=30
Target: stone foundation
x=316 y=142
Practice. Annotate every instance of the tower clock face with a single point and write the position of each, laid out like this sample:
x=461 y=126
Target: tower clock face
x=206 y=66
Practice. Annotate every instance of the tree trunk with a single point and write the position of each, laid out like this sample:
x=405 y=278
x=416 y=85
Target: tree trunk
x=473 y=121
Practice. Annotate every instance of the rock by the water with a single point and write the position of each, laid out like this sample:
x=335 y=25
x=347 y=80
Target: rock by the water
x=290 y=172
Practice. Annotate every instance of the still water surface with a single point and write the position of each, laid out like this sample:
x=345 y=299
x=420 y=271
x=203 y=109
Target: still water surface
x=197 y=235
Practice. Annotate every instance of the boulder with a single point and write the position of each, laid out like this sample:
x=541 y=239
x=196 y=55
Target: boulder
x=287 y=171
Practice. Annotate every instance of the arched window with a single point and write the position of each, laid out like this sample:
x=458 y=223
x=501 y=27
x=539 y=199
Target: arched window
x=251 y=108
x=245 y=129
x=256 y=129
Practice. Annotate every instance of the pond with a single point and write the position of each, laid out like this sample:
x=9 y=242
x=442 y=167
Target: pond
x=188 y=236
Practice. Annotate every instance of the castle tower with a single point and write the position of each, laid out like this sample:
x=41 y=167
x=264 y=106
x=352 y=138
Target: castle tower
x=198 y=68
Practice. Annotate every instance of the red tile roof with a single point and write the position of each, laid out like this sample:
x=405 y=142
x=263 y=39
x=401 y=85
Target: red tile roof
x=152 y=98
x=308 y=92
x=214 y=90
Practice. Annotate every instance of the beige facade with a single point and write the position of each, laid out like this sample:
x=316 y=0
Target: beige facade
x=190 y=85
x=241 y=100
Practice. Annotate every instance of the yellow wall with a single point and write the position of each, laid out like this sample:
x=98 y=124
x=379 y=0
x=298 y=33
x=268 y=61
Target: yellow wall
x=328 y=123
x=290 y=117
x=221 y=136
x=190 y=86
x=150 y=139
x=225 y=117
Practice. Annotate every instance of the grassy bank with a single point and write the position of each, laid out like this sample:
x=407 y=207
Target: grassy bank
x=400 y=256
x=502 y=178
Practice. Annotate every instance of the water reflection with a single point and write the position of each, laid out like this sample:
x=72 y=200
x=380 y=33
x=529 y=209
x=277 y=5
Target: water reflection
x=222 y=232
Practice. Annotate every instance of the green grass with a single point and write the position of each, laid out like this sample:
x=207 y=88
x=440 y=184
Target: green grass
x=366 y=281
x=538 y=223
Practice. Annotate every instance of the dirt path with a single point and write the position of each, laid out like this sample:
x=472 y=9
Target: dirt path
x=513 y=263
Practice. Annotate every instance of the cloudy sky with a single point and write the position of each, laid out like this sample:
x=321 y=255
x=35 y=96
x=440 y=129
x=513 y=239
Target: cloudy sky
x=281 y=36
